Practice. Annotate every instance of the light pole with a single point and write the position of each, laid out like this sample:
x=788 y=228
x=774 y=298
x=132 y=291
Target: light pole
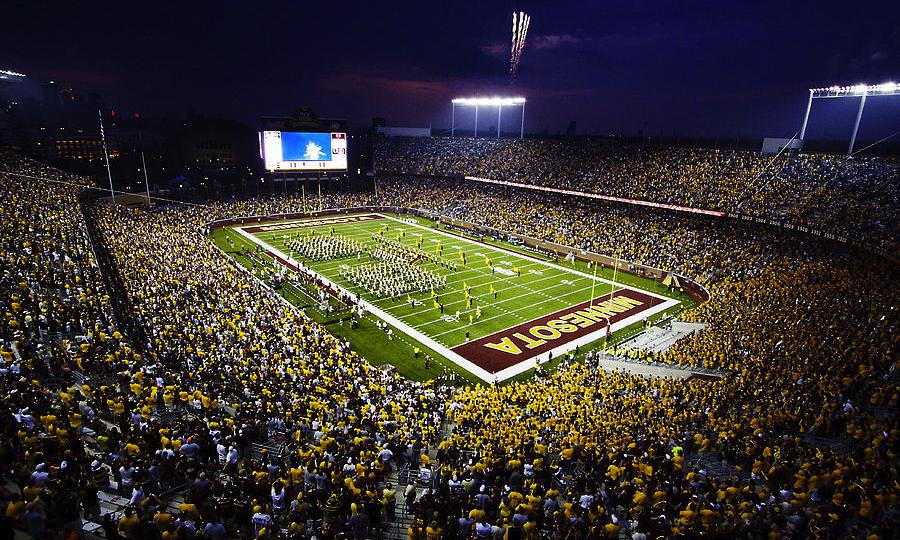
x=452 y=118
x=862 y=104
x=499 y=102
x=806 y=116
x=106 y=156
x=862 y=91
x=522 y=125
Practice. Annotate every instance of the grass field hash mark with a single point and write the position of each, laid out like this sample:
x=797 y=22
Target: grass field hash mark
x=391 y=304
x=529 y=306
x=524 y=318
x=528 y=280
x=499 y=290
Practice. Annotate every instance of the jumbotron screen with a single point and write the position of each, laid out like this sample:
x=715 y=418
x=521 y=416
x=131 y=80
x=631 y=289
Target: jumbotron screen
x=304 y=151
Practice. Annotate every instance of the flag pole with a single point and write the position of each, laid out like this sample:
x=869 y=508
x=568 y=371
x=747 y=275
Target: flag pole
x=106 y=155
x=144 y=166
x=612 y=292
x=612 y=286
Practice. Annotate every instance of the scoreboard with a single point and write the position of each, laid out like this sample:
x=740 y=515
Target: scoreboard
x=304 y=151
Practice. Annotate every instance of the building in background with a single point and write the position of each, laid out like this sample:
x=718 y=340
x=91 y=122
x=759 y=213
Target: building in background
x=78 y=147
x=397 y=131
x=216 y=144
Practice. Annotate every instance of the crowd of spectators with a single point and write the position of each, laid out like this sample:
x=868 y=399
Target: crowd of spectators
x=56 y=319
x=846 y=196
x=636 y=234
x=226 y=365
x=808 y=332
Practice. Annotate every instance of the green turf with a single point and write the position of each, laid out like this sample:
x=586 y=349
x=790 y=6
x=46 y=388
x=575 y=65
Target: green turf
x=367 y=340
x=538 y=291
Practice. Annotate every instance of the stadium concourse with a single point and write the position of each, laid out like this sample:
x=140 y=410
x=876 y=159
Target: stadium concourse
x=224 y=413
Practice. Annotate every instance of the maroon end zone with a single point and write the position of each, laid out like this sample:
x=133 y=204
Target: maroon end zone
x=310 y=223
x=508 y=347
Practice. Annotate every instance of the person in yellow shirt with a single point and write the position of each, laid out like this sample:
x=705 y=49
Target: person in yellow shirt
x=128 y=522
x=433 y=531
x=14 y=508
x=162 y=520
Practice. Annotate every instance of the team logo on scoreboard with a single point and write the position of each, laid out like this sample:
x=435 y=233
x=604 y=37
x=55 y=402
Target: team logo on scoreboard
x=304 y=151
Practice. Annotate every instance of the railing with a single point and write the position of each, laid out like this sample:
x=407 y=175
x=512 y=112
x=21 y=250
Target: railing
x=109 y=273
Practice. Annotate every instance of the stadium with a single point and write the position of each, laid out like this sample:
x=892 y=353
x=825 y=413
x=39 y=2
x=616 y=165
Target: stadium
x=497 y=337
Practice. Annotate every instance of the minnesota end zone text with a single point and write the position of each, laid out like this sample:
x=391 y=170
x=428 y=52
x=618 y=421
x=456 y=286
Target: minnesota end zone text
x=508 y=347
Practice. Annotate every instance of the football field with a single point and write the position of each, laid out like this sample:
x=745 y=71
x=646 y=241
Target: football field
x=496 y=310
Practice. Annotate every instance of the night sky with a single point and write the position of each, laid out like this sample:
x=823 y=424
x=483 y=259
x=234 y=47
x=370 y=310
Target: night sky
x=700 y=68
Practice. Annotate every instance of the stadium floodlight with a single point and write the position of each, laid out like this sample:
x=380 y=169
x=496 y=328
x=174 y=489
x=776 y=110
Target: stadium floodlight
x=861 y=91
x=11 y=73
x=502 y=101
x=888 y=89
x=494 y=101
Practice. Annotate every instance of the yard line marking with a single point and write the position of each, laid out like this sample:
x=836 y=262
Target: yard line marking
x=399 y=303
x=482 y=285
x=508 y=299
x=452 y=241
x=368 y=233
x=520 y=309
x=521 y=256
x=426 y=340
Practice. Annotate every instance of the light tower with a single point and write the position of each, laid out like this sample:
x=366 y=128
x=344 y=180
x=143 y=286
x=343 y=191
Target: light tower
x=862 y=91
x=498 y=102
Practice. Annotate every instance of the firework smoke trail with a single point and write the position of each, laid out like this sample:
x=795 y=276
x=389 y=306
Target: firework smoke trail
x=518 y=41
x=522 y=42
x=512 y=48
x=521 y=21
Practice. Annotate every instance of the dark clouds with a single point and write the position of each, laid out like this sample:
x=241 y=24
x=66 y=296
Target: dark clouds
x=698 y=67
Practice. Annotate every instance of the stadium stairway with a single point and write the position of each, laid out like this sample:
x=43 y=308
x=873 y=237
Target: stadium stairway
x=271 y=449
x=659 y=339
x=650 y=369
x=115 y=504
x=710 y=465
x=396 y=529
x=836 y=445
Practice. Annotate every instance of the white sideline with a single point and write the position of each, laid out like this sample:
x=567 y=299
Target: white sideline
x=481 y=373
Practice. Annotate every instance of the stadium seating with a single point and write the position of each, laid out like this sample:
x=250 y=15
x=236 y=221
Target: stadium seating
x=853 y=197
x=233 y=415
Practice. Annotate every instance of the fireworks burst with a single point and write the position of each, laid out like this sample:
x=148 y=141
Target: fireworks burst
x=520 y=23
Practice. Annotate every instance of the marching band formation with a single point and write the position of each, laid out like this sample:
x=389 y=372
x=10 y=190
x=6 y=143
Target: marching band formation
x=393 y=272
x=323 y=248
x=387 y=279
x=403 y=252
